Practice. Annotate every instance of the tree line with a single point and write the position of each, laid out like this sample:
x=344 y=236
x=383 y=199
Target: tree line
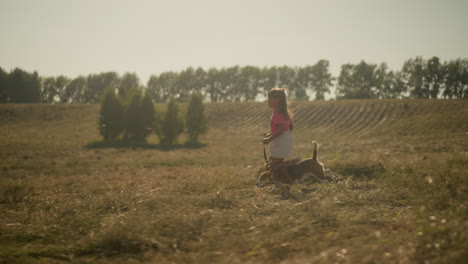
x=418 y=78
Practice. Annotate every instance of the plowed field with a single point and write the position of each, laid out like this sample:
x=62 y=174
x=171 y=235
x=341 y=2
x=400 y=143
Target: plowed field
x=351 y=117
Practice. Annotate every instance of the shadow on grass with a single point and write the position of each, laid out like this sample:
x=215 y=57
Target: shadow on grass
x=143 y=145
x=361 y=171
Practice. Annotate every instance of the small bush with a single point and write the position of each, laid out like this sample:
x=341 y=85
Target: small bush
x=171 y=126
x=110 y=119
x=138 y=116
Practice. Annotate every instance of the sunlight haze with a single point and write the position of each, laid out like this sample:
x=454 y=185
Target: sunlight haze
x=150 y=37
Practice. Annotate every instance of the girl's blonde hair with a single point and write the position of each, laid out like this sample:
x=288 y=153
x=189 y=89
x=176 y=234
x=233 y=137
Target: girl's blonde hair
x=280 y=93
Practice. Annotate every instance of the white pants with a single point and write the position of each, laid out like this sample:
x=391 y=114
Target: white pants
x=281 y=147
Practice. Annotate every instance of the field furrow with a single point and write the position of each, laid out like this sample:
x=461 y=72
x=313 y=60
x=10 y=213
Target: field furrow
x=376 y=116
x=346 y=119
x=252 y=119
x=343 y=118
x=357 y=120
x=335 y=119
x=310 y=117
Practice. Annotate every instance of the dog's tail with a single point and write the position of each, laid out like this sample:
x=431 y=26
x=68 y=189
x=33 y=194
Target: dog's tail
x=315 y=150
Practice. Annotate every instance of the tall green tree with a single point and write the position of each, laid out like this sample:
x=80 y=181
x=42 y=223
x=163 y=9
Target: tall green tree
x=250 y=79
x=321 y=79
x=268 y=79
x=75 y=91
x=96 y=84
x=357 y=81
x=195 y=120
x=128 y=82
x=434 y=75
x=212 y=88
x=200 y=80
x=110 y=116
x=388 y=83
x=314 y=79
x=286 y=77
x=303 y=82
x=230 y=79
x=49 y=90
x=224 y=84
x=162 y=87
x=152 y=88
x=186 y=81
x=53 y=88
x=413 y=77
x=465 y=77
x=456 y=79
x=23 y=87
x=3 y=86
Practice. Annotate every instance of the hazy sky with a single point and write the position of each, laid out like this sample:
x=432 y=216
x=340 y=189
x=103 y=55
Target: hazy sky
x=78 y=37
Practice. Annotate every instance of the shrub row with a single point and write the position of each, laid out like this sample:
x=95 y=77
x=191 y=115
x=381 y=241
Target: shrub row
x=133 y=118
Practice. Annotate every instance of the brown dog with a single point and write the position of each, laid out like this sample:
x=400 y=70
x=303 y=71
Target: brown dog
x=286 y=176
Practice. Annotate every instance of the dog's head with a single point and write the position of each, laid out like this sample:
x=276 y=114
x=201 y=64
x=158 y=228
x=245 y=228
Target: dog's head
x=264 y=180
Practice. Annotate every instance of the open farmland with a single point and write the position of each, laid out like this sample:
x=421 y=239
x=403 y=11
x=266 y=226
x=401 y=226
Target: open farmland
x=402 y=198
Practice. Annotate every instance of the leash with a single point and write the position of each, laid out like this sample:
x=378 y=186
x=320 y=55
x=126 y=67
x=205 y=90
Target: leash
x=264 y=151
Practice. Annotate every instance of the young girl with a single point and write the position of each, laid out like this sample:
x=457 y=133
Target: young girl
x=281 y=140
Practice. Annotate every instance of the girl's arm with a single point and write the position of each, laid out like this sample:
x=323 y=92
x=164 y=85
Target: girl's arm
x=278 y=133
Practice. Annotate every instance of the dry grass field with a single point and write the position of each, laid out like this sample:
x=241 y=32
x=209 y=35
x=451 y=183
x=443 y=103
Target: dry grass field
x=402 y=198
